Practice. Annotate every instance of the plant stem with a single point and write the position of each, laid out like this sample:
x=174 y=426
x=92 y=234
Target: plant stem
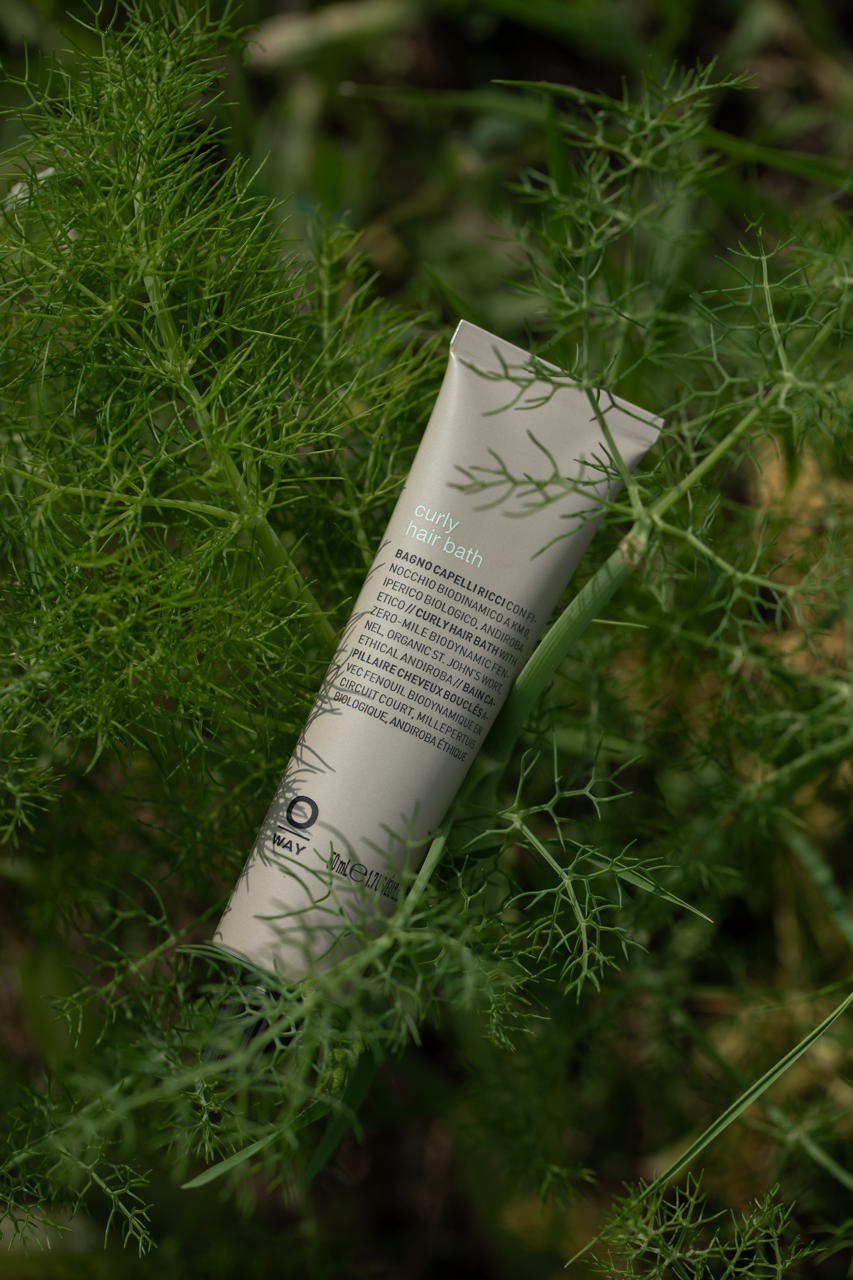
x=812 y=861
x=677 y=492
x=485 y=774
x=793 y=1131
x=566 y=631
x=746 y=1099
x=430 y=862
x=272 y=549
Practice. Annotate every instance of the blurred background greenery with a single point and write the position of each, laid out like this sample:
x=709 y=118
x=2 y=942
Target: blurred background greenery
x=385 y=113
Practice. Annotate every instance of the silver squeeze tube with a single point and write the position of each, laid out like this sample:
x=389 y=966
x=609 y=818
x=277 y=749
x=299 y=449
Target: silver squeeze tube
x=451 y=609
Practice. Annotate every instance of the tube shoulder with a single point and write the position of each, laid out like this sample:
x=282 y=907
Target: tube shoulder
x=476 y=346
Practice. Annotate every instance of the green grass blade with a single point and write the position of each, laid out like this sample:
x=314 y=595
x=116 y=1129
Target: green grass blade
x=751 y=1095
x=737 y=1109
x=558 y=161
x=549 y=653
x=233 y=1162
x=811 y=860
x=356 y=1091
x=828 y=171
x=459 y=307
x=793 y=1130
x=307 y=1116
x=825 y=170
x=567 y=91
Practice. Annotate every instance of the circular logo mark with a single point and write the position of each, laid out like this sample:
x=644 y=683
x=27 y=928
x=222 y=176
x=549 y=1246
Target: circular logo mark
x=313 y=815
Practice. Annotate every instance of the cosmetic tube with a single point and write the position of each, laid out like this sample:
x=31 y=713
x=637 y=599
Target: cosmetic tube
x=482 y=542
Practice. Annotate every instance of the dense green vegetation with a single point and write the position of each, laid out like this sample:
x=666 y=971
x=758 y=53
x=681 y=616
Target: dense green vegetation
x=209 y=402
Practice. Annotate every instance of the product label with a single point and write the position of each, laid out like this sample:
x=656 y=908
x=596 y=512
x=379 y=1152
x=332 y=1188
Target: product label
x=451 y=609
x=436 y=655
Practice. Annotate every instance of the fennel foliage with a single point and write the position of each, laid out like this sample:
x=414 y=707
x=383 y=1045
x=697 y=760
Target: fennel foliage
x=203 y=433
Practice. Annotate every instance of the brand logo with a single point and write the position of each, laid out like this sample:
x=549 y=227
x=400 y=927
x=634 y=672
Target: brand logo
x=302 y=813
